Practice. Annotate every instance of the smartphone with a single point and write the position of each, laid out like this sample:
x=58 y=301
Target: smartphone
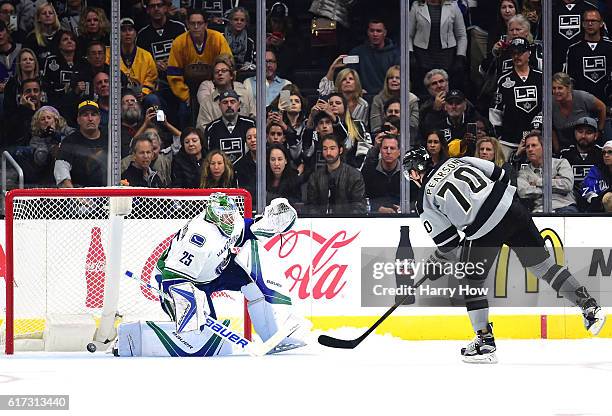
x=472 y=128
x=350 y=59
x=160 y=116
x=284 y=102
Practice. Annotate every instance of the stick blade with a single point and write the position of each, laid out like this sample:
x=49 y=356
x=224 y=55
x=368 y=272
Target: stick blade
x=332 y=342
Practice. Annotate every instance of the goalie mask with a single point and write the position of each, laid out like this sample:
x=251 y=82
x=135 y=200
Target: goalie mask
x=418 y=159
x=222 y=211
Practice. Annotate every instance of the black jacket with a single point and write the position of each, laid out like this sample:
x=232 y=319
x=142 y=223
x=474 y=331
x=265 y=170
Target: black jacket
x=135 y=177
x=382 y=188
x=186 y=171
x=345 y=197
x=290 y=186
x=245 y=171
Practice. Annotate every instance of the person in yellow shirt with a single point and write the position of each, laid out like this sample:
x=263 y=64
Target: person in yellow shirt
x=198 y=45
x=137 y=65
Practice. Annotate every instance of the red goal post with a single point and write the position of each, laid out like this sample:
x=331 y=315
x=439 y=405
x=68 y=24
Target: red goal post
x=67 y=249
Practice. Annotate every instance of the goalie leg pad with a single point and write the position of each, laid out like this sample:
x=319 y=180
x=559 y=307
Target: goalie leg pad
x=260 y=311
x=190 y=309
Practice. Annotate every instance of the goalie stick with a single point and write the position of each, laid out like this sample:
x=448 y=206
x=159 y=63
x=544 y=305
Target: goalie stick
x=256 y=349
x=332 y=342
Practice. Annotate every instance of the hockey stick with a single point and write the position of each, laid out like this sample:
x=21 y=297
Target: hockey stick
x=352 y=343
x=256 y=349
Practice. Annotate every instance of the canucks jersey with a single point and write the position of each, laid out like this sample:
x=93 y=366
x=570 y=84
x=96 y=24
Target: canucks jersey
x=517 y=101
x=199 y=251
x=590 y=65
x=567 y=28
x=467 y=194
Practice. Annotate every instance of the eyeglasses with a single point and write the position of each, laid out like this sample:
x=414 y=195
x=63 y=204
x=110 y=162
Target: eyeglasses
x=221 y=71
x=591 y=22
x=607 y=152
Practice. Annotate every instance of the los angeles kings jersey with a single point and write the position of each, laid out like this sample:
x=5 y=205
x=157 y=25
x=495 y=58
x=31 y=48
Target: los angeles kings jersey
x=199 y=251
x=567 y=28
x=467 y=194
x=517 y=101
x=590 y=66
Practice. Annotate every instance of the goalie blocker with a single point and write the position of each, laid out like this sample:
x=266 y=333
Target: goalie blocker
x=203 y=256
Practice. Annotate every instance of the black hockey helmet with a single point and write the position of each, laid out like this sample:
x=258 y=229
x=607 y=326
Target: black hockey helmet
x=418 y=159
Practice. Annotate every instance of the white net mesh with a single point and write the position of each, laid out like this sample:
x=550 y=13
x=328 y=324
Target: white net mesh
x=60 y=248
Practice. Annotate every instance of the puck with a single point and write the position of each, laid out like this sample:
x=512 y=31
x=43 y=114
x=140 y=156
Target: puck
x=91 y=347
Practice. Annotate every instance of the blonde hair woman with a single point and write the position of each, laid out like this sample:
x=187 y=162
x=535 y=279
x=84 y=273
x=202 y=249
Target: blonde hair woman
x=358 y=140
x=488 y=148
x=347 y=83
x=392 y=89
x=44 y=38
x=93 y=25
x=26 y=67
x=568 y=106
x=217 y=171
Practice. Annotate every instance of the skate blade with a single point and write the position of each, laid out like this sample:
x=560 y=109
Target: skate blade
x=598 y=324
x=490 y=358
x=286 y=347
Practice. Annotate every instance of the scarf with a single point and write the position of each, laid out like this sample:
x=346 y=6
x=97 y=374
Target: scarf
x=237 y=43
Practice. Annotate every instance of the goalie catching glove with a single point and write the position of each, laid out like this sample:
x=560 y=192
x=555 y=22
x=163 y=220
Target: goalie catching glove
x=278 y=217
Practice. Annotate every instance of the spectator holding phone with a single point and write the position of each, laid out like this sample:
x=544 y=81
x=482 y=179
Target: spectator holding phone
x=321 y=122
x=358 y=140
x=457 y=123
x=348 y=84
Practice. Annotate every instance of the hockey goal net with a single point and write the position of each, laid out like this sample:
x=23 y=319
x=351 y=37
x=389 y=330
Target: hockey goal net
x=68 y=250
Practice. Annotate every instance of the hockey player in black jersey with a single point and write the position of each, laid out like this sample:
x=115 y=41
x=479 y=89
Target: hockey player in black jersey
x=474 y=196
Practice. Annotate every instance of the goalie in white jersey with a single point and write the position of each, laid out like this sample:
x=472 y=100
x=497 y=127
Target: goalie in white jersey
x=203 y=255
x=475 y=196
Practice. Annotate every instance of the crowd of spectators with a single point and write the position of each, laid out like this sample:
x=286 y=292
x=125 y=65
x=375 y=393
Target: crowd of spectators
x=333 y=104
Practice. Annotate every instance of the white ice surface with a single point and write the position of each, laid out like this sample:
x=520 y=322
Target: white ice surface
x=382 y=376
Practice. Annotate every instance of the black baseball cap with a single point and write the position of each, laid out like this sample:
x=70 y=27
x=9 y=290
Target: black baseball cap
x=228 y=94
x=519 y=44
x=455 y=95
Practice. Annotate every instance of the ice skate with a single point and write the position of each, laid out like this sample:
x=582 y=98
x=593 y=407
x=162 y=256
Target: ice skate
x=289 y=343
x=593 y=316
x=482 y=349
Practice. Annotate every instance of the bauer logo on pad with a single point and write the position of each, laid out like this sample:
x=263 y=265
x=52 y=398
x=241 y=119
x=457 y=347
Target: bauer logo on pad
x=197 y=240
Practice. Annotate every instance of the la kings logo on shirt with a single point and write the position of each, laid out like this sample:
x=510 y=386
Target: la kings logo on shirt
x=232 y=146
x=569 y=25
x=526 y=98
x=594 y=67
